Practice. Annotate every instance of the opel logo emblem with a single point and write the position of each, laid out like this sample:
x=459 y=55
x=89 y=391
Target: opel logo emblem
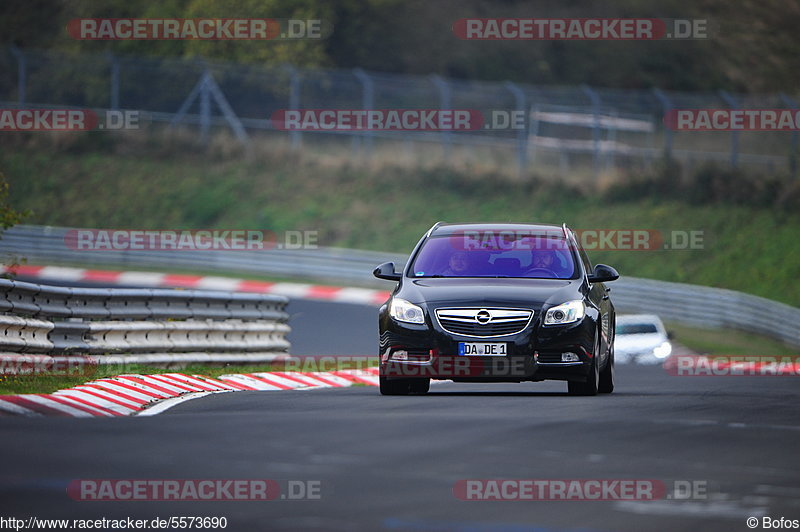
x=483 y=317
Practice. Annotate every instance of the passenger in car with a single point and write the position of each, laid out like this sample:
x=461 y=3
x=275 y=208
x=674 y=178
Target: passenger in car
x=457 y=265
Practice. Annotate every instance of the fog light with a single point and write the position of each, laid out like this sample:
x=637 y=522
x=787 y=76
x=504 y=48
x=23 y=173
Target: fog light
x=400 y=355
x=569 y=357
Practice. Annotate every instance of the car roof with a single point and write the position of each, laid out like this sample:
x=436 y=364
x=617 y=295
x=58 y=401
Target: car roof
x=445 y=229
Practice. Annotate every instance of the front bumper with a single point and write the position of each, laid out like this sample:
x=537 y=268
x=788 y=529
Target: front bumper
x=534 y=354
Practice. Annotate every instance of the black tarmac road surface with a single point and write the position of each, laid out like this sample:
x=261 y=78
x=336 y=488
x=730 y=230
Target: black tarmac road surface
x=723 y=448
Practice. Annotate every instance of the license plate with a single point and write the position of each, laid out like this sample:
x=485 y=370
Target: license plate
x=484 y=349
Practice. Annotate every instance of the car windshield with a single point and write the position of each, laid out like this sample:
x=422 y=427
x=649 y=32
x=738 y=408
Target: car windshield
x=636 y=328
x=531 y=257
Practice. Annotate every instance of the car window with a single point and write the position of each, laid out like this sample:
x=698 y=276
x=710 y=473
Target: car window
x=526 y=257
x=636 y=328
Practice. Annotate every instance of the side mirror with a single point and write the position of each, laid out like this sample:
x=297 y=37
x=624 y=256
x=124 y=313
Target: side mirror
x=386 y=271
x=603 y=274
x=670 y=335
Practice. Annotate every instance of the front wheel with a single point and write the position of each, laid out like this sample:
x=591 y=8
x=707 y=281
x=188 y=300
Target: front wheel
x=590 y=387
x=607 y=375
x=420 y=386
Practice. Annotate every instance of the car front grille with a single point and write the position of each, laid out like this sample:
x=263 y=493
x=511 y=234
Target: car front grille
x=501 y=321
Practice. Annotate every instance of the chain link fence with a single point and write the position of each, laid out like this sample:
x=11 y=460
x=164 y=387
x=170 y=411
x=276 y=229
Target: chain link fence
x=566 y=130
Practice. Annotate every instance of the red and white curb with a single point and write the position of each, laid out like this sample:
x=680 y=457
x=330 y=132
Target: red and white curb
x=170 y=280
x=127 y=395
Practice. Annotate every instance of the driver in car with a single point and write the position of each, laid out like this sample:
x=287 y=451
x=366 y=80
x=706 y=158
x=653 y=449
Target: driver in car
x=549 y=261
x=542 y=259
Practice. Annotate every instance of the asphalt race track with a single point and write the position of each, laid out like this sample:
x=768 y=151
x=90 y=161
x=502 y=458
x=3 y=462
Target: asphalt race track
x=391 y=463
x=323 y=328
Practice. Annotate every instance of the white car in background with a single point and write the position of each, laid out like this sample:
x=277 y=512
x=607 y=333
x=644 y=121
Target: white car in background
x=641 y=339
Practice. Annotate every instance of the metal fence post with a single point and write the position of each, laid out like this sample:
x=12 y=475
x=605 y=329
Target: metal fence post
x=609 y=159
x=444 y=103
x=533 y=127
x=205 y=89
x=294 y=104
x=367 y=102
x=178 y=117
x=731 y=101
x=114 y=94
x=666 y=105
x=205 y=107
x=522 y=134
x=595 y=99
x=791 y=104
x=227 y=111
x=22 y=70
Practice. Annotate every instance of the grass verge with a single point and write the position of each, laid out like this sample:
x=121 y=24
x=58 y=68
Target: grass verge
x=749 y=247
x=728 y=342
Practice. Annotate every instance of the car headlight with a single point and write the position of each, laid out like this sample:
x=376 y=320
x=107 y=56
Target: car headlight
x=663 y=351
x=568 y=312
x=402 y=310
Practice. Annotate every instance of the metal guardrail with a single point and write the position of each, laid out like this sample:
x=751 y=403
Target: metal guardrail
x=707 y=307
x=41 y=244
x=684 y=303
x=52 y=319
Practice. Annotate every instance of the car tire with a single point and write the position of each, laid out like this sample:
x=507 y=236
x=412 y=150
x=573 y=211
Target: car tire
x=592 y=380
x=607 y=375
x=420 y=386
x=394 y=386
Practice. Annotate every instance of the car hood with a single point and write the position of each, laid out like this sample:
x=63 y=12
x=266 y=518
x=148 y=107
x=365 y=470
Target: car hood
x=526 y=293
